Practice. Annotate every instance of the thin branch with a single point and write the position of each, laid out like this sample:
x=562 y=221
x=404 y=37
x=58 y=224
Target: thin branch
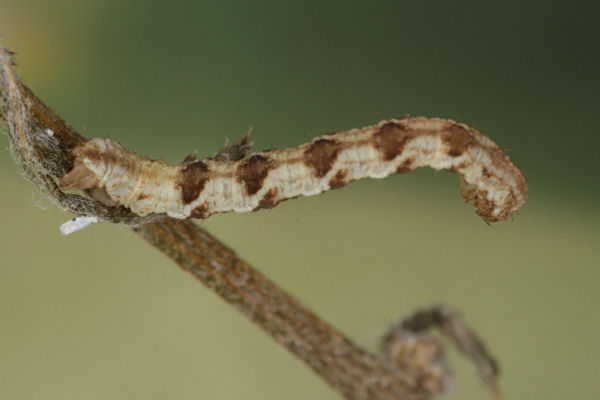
x=454 y=328
x=351 y=370
x=42 y=142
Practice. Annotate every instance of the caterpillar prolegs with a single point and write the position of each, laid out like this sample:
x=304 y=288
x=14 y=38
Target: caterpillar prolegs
x=200 y=188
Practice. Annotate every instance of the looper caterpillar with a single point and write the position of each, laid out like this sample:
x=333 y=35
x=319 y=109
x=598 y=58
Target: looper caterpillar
x=200 y=188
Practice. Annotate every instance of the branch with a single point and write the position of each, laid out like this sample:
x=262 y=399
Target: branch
x=411 y=366
x=454 y=328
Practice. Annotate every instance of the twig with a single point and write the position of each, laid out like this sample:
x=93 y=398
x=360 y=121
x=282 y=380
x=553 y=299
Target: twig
x=42 y=142
x=351 y=370
x=452 y=326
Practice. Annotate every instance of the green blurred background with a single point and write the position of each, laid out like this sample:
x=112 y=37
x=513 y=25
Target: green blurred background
x=100 y=314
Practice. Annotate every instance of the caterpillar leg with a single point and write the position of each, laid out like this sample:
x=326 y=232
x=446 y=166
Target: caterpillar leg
x=236 y=151
x=228 y=152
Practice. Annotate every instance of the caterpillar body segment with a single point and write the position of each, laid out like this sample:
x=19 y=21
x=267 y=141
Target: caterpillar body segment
x=200 y=188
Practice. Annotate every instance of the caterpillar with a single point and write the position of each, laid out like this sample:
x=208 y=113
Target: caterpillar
x=200 y=188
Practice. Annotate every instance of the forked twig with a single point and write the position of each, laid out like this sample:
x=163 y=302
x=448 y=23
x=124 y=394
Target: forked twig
x=410 y=367
x=454 y=328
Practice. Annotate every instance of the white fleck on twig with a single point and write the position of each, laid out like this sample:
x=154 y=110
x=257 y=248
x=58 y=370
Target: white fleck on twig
x=77 y=224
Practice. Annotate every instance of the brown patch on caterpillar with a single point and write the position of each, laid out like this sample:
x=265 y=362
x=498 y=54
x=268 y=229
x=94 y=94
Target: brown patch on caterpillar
x=390 y=139
x=142 y=196
x=485 y=172
x=339 y=179
x=458 y=138
x=94 y=154
x=405 y=166
x=457 y=167
x=201 y=211
x=192 y=179
x=268 y=200
x=468 y=191
x=484 y=207
x=253 y=171
x=321 y=155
